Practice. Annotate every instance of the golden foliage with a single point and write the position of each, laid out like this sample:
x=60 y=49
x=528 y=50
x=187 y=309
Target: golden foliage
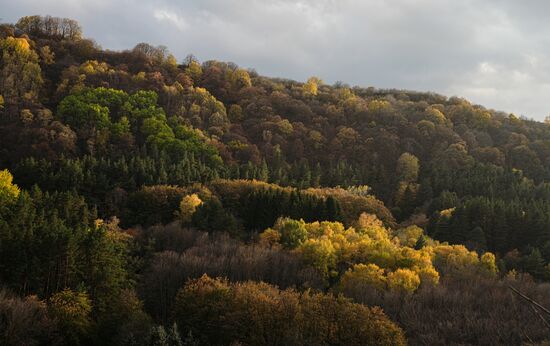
x=240 y=79
x=311 y=86
x=8 y=191
x=447 y=213
x=378 y=105
x=488 y=263
x=403 y=280
x=270 y=238
x=368 y=248
x=18 y=43
x=435 y=115
x=454 y=258
x=188 y=206
x=363 y=274
x=194 y=70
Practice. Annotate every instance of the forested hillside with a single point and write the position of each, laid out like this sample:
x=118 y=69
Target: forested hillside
x=150 y=201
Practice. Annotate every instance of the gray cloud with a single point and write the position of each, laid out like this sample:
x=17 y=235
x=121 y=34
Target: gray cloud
x=493 y=52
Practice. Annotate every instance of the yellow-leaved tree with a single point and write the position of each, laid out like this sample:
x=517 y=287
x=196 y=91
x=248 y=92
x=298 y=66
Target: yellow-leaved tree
x=188 y=206
x=404 y=280
x=8 y=191
x=310 y=88
x=20 y=73
x=363 y=276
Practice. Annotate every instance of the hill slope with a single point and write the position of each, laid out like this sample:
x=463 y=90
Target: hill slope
x=90 y=134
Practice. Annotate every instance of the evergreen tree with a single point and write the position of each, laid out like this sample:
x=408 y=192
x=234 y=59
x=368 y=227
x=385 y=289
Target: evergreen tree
x=158 y=337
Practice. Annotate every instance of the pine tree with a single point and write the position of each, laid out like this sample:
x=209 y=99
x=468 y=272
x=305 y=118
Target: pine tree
x=533 y=263
x=174 y=338
x=333 y=210
x=158 y=336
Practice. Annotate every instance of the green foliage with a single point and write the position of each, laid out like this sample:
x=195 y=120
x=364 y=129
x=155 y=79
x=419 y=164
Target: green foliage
x=407 y=168
x=154 y=204
x=211 y=216
x=103 y=115
x=293 y=232
x=82 y=112
x=259 y=205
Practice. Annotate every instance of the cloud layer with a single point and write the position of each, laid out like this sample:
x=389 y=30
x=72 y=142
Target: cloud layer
x=493 y=52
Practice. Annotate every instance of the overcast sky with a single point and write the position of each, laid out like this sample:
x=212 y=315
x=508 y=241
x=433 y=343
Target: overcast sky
x=493 y=52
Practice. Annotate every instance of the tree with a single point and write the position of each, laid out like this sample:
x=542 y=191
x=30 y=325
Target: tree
x=8 y=191
x=20 y=73
x=240 y=79
x=188 y=206
x=174 y=338
x=293 y=232
x=211 y=216
x=311 y=86
x=158 y=336
x=201 y=307
x=488 y=263
x=478 y=239
x=404 y=280
x=25 y=321
x=321 y=255
x=235 y=113
x=104 y=263
x=220 y=313
x=194 y=70
x=361 y=277
x=533 y=263
x=72 y=310
x=333 y=210
x=407 y=168
x=270 y=238
x=53 y=27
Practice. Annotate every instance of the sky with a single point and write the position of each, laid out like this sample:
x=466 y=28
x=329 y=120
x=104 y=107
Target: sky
x=492 y=52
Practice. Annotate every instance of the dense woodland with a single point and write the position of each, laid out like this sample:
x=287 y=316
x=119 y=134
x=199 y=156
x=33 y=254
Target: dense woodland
x=150 y=201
